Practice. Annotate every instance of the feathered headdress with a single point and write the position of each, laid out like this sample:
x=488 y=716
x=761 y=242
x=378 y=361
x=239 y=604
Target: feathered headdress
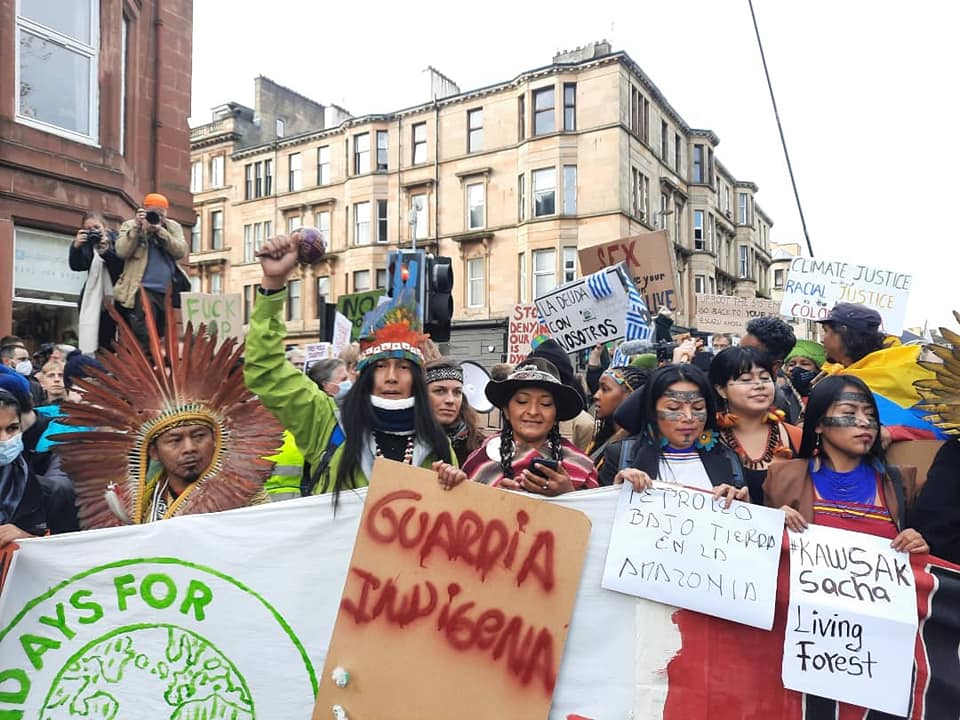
x=134 y=399
x=941 y=395
x=394 y=330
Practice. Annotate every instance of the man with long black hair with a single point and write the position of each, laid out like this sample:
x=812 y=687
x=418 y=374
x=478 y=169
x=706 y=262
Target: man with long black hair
x=385 y=414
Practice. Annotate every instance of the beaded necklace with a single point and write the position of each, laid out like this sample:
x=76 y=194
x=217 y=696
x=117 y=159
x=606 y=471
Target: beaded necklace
x=770 y=452
x=856 y=486
x=407 y=451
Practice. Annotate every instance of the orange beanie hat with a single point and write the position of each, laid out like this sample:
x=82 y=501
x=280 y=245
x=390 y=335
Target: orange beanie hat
x=155 y=200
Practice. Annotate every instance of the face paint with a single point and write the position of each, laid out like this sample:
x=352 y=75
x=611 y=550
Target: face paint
x=848 y=421
x=689 y=396
x=699 y=416
x=855 y=397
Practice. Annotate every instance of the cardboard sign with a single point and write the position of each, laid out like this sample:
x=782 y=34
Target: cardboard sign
x=852 y=622
x=342 y=331
x=521 y=331
x=650 y=260
x=222 y=314
x=730 y=314
x=577 y=320
x=355 y=306
x=679 y=546
x=478 y=583
x=813 y=286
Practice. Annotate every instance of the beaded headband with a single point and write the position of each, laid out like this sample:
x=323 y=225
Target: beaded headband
x=619 y=379
x=443 y=373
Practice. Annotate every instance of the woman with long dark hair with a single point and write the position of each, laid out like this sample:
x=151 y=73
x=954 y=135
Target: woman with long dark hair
x=680 y=437
x=385 y=414
x=529 y=453
x=613 y=387
x=841 y=478
x=749 y=423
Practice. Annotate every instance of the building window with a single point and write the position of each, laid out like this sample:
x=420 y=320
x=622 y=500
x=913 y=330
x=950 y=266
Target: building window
x=521 y=198
x=699 y=284
x=248 y=182
x=664 y=207
x=294 y=173
x=522 y=277
x=544 y=271
x=641 y=194
x=521 y=117
x=569 y=264
x=253 y=237
x=361 y=280
x=195 y=284
x=322 y=220
x=475 y=206
x=544 y=192
x=196 y=176
x=678 y=223
x=698 y=171
x=569 y=107
x=569 y=189
x=323 y=292
x=294 y=296
x=216 y=171
x=698 y=230
x=216 y=229
x=381 y=280
x=711 y=228
x=744 y=262
x=248 y=243
x=474 y=130
x=419 y=143
x=281 y=127
x=258 y=179
x=361 y=223
x=383 y=138
x=361 y=154
x=677 y=152
x=249 y=293
x=216 y=283
x=421 y=217
x=382 y=223
x=294 y=222
x=778 y=279
x=639 y=114
x=57 y=67
x=267 y=177
x=743 y=209
x=543 y=111
x=323 y=165
x=475 y=283
x=664 y=141
x=196 y=235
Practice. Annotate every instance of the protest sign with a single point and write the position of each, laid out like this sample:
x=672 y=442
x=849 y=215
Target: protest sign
x=577 y=319
x=355 y=306
x=813 y=286
x=342 y=330
x=679 y=546
x=479 y=583
x=852 y=622
x=650 y=260
x=220 y=313
x=730 y=314
x=521 y=330
x=315 y=352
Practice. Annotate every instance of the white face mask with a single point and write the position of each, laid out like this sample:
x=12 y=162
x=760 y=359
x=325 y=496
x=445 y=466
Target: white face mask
x=24 y=367
x=10 y=449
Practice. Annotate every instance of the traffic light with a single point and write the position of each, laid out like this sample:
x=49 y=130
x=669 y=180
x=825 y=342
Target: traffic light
x=408 y=269
x=438 y=312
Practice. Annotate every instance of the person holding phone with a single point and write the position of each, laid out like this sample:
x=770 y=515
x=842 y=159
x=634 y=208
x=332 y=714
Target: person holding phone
x=529 y=453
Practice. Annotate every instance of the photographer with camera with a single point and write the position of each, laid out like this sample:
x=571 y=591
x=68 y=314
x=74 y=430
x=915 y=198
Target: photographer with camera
x=93 y=251
x=150 y=245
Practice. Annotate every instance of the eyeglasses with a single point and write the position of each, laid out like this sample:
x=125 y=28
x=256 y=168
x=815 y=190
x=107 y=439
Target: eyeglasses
x=765 y=380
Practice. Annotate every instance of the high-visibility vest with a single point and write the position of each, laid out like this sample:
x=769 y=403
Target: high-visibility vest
x=287 y=469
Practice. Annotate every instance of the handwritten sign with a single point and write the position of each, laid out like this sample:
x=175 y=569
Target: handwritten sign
x=679 y=546
x=730 y=314
x=650 y=260
x=813 y=286
x=355 y=306
x=577 y=320
x=220 y=313
x=342 y=330
x=852 y=619
x=521 y=331
x=476 y=583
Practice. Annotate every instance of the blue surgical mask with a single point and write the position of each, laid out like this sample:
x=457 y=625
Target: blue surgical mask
x=10 y=449
x=342 y=389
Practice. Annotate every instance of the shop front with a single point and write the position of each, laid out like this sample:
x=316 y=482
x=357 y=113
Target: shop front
x=46 y=291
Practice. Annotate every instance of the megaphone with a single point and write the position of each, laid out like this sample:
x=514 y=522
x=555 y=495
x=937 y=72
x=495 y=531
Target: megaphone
x=475 y=380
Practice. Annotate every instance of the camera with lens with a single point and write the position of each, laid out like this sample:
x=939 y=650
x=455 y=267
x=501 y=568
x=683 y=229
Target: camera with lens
x=153 y=217
x=94 y=236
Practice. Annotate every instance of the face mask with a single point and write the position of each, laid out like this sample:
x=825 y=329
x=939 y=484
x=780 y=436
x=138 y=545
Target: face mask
x=24 y=367
x=10 y=449
x=342 y=389
x=801 y=379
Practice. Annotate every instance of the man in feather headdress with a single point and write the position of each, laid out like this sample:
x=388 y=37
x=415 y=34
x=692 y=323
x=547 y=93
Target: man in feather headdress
x=177 y=433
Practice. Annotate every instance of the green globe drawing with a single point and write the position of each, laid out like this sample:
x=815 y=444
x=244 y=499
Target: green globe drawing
x=161 y=672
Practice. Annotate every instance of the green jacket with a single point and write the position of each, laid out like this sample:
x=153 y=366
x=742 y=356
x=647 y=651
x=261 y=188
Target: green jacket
x=300 y=406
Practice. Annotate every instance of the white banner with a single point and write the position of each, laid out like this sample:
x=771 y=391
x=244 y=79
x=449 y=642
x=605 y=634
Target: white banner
x=813 y=286
x=852 y=619
x=679 y=546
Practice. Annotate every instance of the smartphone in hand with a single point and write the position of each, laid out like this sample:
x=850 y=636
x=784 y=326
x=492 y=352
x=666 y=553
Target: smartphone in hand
x=538 y=462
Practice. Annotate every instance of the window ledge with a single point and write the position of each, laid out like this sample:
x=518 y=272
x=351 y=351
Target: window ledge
x=484 y=171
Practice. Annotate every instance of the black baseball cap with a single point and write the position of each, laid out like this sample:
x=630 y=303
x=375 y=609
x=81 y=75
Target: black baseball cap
x=857 y=317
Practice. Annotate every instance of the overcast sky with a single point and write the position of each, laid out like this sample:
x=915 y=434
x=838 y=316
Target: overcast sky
x=866 y=92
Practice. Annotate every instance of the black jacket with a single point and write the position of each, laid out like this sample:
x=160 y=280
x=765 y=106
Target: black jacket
x=721 y=463
x=936 y=512
x=30 y=514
